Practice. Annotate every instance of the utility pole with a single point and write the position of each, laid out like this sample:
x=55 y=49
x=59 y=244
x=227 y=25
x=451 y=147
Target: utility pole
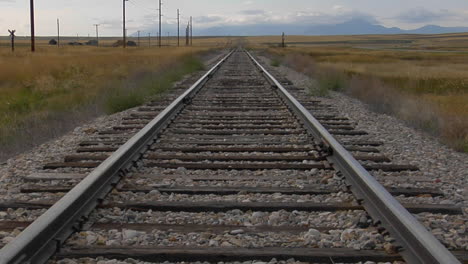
x=58 y=33
x=160 y=20
x=178 y=28
x=282 y=41
x=149 y=40
x=97 y=33
x=124 y=29
x=33 y=40
x=12 y=36
x=191 y=31
x=138 y=38
x=168 y=40
x=187 y=34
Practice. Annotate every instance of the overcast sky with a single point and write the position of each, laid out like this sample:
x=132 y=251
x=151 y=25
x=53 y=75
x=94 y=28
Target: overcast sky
x=78 y=16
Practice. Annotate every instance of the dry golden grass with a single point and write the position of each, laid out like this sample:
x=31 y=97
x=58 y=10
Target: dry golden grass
x=23 y=43
x=431 y=70
x=61 y=83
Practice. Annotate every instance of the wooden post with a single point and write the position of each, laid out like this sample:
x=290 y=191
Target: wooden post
x=12 y=36
x=282 y=41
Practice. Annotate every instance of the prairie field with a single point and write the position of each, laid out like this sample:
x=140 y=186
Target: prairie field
x=422 y=79
x=51 y=91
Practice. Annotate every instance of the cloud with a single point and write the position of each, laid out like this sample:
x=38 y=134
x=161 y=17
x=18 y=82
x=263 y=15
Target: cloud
x=256 y=16
x=111 y=24
x=252 y=12
x=423 y=15
x=338 y=8
x=208 y=19
x=325 y=18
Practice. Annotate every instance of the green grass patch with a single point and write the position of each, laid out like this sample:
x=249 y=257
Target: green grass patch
x=275 y=62
x=315 y=89
x=331 y=80
x=149 y=86
x=57 y=90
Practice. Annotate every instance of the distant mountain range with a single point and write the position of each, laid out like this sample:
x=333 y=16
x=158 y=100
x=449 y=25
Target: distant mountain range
x=352 y=27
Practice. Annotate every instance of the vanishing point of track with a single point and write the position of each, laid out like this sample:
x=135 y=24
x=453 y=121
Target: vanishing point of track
x=236 y=125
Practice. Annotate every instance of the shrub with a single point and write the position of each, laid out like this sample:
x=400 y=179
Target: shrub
x=275 y=62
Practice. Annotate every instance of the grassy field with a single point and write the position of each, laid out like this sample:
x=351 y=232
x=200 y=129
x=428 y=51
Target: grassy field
x=422 y=79
x=145 y=42
x=49 y=92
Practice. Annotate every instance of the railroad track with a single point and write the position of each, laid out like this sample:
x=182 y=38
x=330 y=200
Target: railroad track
x=236 y=168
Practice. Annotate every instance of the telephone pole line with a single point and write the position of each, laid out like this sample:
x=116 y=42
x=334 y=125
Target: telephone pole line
x=124 y=29
x=97 y=33
x=58 y=33
x=160 y=20
x=33 y=40
x=178 y=28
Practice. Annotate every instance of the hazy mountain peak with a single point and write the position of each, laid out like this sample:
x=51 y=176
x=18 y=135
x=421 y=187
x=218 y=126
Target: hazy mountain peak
x=355 y=26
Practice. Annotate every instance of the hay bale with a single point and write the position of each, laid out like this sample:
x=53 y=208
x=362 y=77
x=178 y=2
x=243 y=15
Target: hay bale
x=75 y=43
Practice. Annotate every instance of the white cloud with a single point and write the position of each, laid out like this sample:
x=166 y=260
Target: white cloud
x=338 y=8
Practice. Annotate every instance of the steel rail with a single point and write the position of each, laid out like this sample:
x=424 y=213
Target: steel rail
x=43 y=238
x=418 y=244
